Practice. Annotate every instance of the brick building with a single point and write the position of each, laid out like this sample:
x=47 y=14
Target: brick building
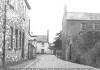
x=76 y=23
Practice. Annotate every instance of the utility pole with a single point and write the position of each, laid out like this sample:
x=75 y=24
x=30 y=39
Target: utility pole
x=4 y=33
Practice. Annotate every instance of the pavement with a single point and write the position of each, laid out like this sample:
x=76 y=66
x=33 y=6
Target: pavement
x=50 y=62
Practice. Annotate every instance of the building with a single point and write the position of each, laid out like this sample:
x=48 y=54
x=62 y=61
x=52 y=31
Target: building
x=31 y=49
x=77 y=23
x=17 y=23
x=42 y=44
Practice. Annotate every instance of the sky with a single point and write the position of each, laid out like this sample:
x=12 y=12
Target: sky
x=48 y=14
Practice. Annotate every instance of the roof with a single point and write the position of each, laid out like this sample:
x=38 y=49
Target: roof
x=42 y=38
x=27 y=4
x=82 y=16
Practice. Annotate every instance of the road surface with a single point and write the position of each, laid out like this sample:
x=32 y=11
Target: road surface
x=51 y=62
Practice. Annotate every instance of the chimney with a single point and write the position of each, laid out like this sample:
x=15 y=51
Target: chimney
x=48 y=35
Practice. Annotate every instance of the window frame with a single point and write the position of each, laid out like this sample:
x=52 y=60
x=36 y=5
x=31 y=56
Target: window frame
x=83 y=26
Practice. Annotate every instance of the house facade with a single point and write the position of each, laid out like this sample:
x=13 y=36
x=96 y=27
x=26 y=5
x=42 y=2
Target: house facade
x=17 y=23
x=77 y=23
x=42 y=45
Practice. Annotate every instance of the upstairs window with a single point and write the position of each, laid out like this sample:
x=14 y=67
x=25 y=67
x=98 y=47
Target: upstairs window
x=16 y=33
x=97 y=26
x=83 y=26
x=94 y=25
x=42 y=43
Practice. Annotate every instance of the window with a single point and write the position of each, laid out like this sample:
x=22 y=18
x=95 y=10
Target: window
x=42 y=44
x=97 y=26
x=20 y=37
x=94 y=25
x=16 y=33
x=23 y=42
x=23 y=39
x=11 y=37
x=83 y=26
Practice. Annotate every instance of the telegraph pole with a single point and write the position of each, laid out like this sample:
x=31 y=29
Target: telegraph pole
x=4 y=33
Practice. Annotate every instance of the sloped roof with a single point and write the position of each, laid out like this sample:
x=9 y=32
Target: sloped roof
x=82 y=16
x=27 y=4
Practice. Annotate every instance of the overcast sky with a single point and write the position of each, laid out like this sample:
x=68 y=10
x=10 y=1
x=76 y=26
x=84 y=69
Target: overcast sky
x=48 y=14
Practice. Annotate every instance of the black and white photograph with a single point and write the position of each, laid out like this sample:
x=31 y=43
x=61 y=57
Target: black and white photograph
x=49 y=35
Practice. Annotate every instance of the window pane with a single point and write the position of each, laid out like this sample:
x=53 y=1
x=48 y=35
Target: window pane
x=11 y=37
x=83 y=26
x=97 y=26
x=16 y=33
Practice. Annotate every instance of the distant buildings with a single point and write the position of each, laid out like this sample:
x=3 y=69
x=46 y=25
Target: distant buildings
x=77 y=23
x=42 y=44
x=17 y=24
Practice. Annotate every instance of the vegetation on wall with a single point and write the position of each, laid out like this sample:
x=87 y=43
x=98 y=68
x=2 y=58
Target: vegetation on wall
x=86 y=48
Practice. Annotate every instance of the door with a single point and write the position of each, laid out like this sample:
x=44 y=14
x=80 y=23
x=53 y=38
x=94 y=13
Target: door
x=30 y=51
x=42 y=51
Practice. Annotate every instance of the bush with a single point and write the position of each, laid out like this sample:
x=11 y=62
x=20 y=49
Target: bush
x=86 y=48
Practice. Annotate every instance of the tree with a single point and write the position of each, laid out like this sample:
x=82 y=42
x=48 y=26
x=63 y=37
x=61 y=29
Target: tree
x=57 y=43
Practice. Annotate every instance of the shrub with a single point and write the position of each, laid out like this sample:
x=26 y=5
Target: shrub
x=86 y=48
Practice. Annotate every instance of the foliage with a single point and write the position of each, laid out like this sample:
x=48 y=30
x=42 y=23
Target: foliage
x=86 y=47
x=58 y=42
x=90 y=38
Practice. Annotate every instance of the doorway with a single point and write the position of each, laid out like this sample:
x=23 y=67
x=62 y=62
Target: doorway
x=42 y=51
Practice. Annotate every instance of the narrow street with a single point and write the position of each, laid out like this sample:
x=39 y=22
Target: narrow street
x=50 y=61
